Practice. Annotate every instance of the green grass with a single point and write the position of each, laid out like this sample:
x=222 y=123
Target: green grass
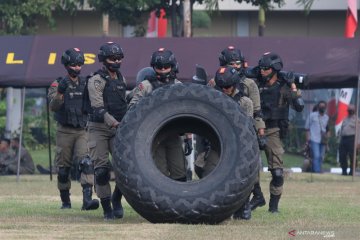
x=29 y=209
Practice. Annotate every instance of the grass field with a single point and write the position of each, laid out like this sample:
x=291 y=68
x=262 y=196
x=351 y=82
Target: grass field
x=316 y=206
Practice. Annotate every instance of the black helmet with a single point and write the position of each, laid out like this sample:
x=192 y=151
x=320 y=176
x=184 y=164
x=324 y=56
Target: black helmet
x=230 y=54
x=110 y=49
x=226 y=77
x=164 y=58
x=72 y=56
x=144 y=74
x=271 y=60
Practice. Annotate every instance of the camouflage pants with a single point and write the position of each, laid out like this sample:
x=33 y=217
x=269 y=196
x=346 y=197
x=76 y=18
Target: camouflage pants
x=71 y=145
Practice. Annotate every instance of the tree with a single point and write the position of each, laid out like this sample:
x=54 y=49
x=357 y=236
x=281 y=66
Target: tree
x=19 y=17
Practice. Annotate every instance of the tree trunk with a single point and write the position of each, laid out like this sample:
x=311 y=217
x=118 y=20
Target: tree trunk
x=187 y=19
x=174 y=25
x=261 y=21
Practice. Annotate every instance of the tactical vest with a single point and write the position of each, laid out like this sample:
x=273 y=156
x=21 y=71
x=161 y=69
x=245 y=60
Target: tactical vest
x=156 y=83
x=70 y=114
x=271 y=106
x=114 y=95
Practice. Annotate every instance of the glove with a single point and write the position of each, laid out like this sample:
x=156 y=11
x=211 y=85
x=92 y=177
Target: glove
x=262 y=141
x=63 y=84
x=188 y=146
x=289 y=78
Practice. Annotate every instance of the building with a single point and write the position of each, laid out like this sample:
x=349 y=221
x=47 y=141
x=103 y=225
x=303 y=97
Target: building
x=326 y=19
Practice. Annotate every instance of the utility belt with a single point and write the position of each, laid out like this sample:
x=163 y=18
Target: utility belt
x=72 y=126
x=271 y=123
x=92 y=118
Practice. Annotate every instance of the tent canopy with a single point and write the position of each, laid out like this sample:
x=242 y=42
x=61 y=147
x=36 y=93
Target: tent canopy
x=35 y=61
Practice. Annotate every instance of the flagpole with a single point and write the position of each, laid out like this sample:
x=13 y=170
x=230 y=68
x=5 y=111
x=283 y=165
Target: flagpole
x=354 y=160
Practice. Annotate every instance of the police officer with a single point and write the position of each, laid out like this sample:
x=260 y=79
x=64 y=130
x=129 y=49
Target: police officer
x=26 y=162
x=277 y=95
x=347 y=140
x=107 y=96
x=168 y=153
x=232 y=56
x=228 y=80
x=66 y=96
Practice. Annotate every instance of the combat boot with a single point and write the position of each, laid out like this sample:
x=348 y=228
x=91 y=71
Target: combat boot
x=116 y=203
x=65 y=199
x=244 y=212
x=88 y=202
x=106 y=205
x=273 y=203
x=258 y=199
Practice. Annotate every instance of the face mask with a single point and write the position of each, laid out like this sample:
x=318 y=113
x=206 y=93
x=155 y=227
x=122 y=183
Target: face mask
x=162 y=77
x=73 y=73
x=321 y=110
x=113 y=67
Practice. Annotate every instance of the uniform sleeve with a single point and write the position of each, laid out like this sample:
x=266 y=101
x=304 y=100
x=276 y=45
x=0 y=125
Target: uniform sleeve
x=141 y=90
x=252 y=90
x=247 y=105
x=56 y=100
x=96 y=86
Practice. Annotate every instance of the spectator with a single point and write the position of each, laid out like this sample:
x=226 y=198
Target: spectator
x=307 y=165
x=26 y=161
x=347 y=140
x=317 y=133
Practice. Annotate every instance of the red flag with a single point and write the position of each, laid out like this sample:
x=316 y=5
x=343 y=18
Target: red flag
x=344 y=101
x=346 y=93
x=351 y=19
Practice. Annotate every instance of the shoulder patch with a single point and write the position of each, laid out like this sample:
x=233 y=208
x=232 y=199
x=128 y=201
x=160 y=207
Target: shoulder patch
x=97 y=84
x=54 y=84
x=141 y=86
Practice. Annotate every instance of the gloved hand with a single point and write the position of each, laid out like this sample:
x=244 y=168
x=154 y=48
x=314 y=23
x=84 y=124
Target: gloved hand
x=262 y=141
x=289 y=78
x=188 y=146
x=63 y=84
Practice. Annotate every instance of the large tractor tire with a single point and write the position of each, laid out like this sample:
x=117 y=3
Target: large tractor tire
x=186 y=108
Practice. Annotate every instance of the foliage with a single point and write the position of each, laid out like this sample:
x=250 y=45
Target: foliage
x=35 y=126
x=136 y=12
x=19 y=17
x=200 y=19
x=307 y=4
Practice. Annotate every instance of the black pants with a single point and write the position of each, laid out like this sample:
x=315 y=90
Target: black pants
x=346 y=149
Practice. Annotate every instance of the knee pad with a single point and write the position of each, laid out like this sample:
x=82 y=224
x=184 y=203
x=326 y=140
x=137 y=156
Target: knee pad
x=86 y=166
x=102 y=176
x=63 y=174
x=277 y=177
